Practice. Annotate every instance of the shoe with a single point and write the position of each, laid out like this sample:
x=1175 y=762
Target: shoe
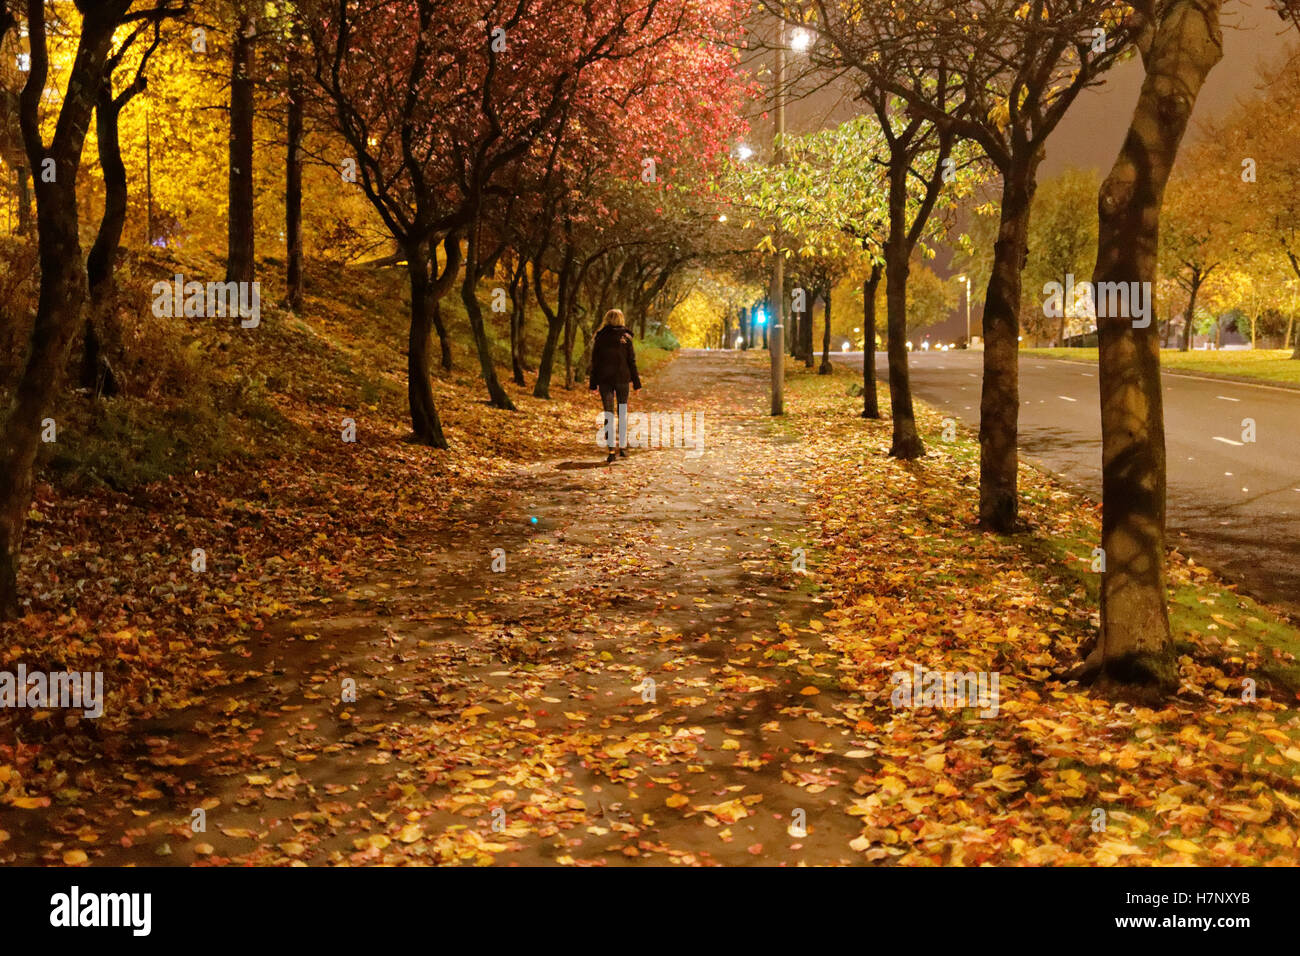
x=610 y=459
x=622 y=453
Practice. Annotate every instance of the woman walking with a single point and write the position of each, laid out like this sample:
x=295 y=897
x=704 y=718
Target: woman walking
x=613 y=368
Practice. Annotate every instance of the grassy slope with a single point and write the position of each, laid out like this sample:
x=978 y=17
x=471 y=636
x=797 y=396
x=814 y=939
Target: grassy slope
x=1267 y=365
x=201 y=393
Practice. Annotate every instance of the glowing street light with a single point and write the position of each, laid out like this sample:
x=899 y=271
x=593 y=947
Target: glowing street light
x=743 y=152
x=800 y=40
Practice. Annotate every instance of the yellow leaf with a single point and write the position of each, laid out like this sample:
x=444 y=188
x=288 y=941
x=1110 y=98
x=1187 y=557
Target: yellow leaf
x=239 y=833
x=728 y=812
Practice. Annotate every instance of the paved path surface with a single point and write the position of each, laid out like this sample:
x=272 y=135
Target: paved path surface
x=1233 y=505
x=506 y=716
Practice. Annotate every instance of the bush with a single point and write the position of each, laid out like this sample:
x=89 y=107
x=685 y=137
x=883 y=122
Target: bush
x=662 y=338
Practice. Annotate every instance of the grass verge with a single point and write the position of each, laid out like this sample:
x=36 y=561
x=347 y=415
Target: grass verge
x=1274 y=366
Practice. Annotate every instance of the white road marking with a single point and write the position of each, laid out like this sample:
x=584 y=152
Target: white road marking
x=1087 y=374
x=1067 y=398
x=1228 y=441
x=1225 y=398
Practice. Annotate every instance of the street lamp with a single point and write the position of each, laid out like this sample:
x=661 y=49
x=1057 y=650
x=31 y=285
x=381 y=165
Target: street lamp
x=800 y=41
x=743 y=152
x=966 y=279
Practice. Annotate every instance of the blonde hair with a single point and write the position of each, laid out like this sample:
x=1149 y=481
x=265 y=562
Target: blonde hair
x=613 y=317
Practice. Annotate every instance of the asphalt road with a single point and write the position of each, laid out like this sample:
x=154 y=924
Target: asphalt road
x=1233 y=505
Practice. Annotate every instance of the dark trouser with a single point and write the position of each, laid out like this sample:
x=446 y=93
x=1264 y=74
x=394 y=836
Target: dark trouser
x=614 y=400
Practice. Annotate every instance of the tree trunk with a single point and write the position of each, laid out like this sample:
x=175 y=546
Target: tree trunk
x=425 y=424
x=293 y=196
x=62 y=293
x=518 y=299
x=554 y=326
x=870 y=400
x=1135 y=646
x=1190 y=323
x=24 y=200
x=825 y=368
x=554 y=321
x=96 y=372
x=806 y=336
x=1000 y=396
x=906 y=443
x=63 y=286
x=1290 y=326
x=451 y=265
x=497 y=396
x=570 y=320
x=239 y=243
x=744 y=330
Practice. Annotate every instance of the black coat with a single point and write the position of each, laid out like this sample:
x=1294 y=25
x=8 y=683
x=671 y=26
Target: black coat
x=613 y=360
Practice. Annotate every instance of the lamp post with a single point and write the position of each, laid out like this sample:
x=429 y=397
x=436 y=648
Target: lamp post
x=776 y=334
x=966 y=279
x=800 y=40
